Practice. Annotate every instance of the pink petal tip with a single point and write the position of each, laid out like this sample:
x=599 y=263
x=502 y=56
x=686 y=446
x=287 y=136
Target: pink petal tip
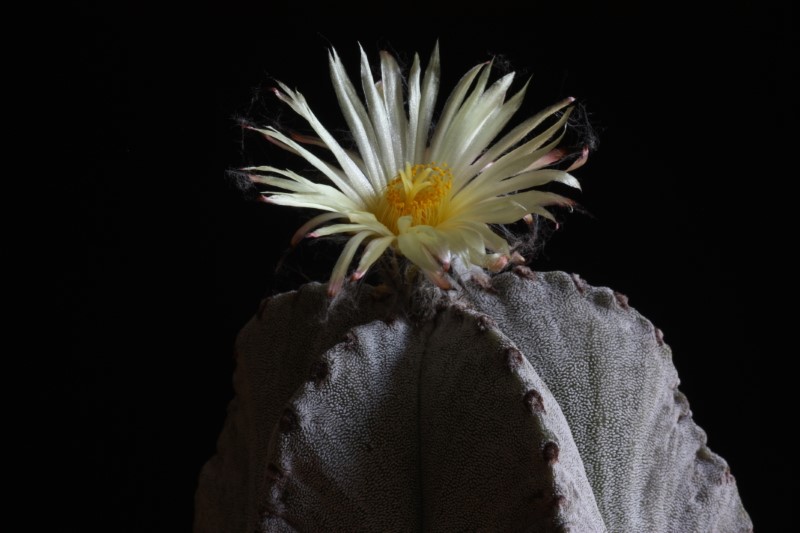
x=498 y=264
x=334 y=287
x=440 y=280
x=578 y=163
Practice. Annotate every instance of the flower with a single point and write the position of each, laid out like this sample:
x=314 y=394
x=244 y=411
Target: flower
x=429 y=192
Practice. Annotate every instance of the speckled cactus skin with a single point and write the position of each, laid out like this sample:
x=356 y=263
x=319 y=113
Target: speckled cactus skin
x=535 y=403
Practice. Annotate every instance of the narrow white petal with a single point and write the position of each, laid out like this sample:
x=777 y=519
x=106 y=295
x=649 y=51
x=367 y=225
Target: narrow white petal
x=526 y=180
x=544 y=137
x=300 y=179
x=392 y=81
x=357 y=179
x=515 y=161
x=369 y=219
x=533 y=199
x=452 y=105
x=503 y=210
x=357 y=119
x=508 y=209
x=578 y=163
x=550 y=158
x=413 y=113
x=467 y=234
x=296 y=177
x=280 y=183
x=307 y=189
x=359 y=220
x=492 y=240
x=372 y=252
x=277 y=143
x=518 y=133
x=380 y=120
x=293 y=200
x=430 y=90
x=346 y=257
x=339 y=228
x=318 y=220
x=480 y=188
x=485 y=133
x=410 y=246
x=283 y=172
x=434 y=241
x=344 y=186
x=478 y=89
x=471 y=117
x=542 y=212
x=316 y=141
x=467 y=239
x=308 y=139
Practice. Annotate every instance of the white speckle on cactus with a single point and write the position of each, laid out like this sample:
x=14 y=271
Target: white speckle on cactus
x=543 y=404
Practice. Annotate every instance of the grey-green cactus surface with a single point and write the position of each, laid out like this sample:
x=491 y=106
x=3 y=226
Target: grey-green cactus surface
x=533 y=403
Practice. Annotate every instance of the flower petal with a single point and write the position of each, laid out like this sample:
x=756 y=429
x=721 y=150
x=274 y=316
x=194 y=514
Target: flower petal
x=420 y=105
x=513 y=162
x=340 y=228
x=357 y=119
x=318 y=220
x=346 y=257
x=343 y=185
x=410 y=244
x=392 y=81
x=487 y=131
x=306 y=189
x=317 y=201
x=453 y=103
x=357 y=180
x=372 y=252
x=380 y=120
x=518 y=133
x=469 y=120
x=533 y=178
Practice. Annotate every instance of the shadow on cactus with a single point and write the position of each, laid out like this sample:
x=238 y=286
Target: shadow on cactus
x=462 y=391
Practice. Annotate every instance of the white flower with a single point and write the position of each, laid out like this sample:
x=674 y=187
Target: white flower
x=427 y=192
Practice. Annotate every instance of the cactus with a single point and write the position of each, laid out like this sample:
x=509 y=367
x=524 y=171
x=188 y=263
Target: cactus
x=535 y=403
x=449 y=398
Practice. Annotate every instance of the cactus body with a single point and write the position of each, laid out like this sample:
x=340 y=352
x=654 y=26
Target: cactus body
x=540 y=404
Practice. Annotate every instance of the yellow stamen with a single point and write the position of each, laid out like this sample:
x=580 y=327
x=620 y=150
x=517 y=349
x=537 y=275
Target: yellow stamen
x=420 y=191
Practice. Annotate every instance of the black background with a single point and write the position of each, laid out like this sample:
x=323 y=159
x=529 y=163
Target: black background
x=161 y=259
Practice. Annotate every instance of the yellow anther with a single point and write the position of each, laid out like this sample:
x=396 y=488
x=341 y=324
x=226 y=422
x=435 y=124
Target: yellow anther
x=419 y=191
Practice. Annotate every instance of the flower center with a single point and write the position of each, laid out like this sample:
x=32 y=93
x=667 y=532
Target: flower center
x=419 y=191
